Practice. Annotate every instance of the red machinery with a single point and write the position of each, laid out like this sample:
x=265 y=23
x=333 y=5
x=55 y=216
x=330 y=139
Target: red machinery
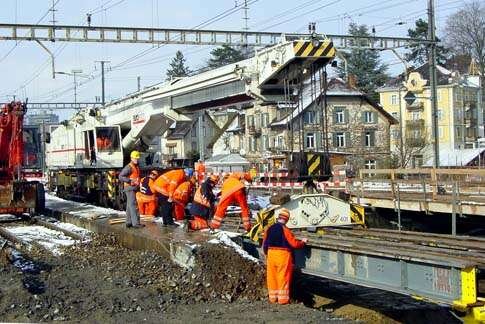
x=17 y=195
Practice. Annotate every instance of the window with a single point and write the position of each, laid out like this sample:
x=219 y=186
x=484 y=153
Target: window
x=280 y=141
x=395 y=134
x=369 y=117
x=339 y=140
x=369 y=138
x=371 y=164
x=416 y=115
x=310 y=140
x=394 y=100
x=458 y=132
x=265 y=142
x=438 y=95
x=204 y=131
x=440 y=131
x=340 y=115
x=107 y=139
x=252 y=144
x=194 y=146
x=193 y=131
x=310 y=117
x=250 y=121
x=395 y=115
x=265 y=120
x=440 y=114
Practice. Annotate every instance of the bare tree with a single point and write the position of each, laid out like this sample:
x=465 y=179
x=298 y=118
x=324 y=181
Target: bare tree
x=465 y=32
x=413 y=145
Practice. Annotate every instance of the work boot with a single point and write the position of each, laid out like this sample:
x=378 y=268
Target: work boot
x=128 y=225
x=185 y=226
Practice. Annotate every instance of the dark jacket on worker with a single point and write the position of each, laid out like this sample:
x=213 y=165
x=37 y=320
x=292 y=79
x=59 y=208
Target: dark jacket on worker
x=278 y=236
x=125 y=178
x=197 y=209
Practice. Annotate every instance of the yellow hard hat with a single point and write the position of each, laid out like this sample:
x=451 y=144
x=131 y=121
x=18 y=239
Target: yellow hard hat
x=135 y=155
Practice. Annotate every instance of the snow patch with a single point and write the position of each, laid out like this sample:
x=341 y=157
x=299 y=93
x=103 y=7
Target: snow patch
x=49 y=239
x=82 y=209
x=224 y=238
x=73 y=228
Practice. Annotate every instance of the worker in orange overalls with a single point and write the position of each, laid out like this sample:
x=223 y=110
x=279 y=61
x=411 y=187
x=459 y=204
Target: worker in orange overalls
x=181 y=197
x=146 y=198
x=199 y=169
x=233 y=190
x=165 y=186
x=130 y=176
x=278 y=245
x=203 y=203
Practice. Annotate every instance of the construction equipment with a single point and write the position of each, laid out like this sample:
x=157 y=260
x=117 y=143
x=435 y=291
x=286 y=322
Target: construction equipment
x=310 y=212
x=17 y=196
x=86 y=152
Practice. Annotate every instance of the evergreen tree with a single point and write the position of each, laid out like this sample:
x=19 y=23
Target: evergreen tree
x=225 y=55
x=177 y=67
x=419 y=53
x=364 y=64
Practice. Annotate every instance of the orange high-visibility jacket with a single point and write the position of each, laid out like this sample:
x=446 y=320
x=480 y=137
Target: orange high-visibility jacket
x=182 y=193
x=168 y=182
x=134 y=175
x=199 y=168
x=233 y=183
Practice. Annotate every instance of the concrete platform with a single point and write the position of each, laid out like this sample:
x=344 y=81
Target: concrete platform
x=171 y=242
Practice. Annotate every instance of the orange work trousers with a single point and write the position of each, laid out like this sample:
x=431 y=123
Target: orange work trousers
x=147 y=204
x=240 y=198
x=198 y=223
x=279 y=271
x=178 y=211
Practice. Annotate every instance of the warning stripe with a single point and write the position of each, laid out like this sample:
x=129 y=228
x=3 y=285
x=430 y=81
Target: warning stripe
x=313 y=164
x=306 y=49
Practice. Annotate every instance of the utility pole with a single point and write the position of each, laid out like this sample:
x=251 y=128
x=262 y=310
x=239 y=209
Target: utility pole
x=138 y=81
x=103 y=99
x=74 y=73
x=433 y=80
x=53 y=9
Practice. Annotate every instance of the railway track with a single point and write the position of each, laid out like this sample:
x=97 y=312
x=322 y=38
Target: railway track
x=40 y=233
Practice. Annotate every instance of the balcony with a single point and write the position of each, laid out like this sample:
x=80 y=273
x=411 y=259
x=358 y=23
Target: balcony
x=415 y=124
x=417 y=105
x=415 y=142
x=169 y=157
x=254 y=131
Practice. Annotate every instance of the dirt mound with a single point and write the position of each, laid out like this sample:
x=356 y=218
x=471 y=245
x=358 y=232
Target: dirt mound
x=90 y=281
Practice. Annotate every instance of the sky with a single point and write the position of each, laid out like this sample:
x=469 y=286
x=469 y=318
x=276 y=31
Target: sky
x=26 y=70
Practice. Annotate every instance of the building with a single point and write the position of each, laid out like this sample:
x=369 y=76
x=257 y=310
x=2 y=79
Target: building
x=181 y=144
x=40 y=118
x=460 y=121
x=358 y=129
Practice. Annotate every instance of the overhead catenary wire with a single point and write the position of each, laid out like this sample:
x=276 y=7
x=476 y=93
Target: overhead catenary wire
x=125 y=62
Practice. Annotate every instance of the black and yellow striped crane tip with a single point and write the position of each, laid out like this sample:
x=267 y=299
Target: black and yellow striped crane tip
x=314 y=48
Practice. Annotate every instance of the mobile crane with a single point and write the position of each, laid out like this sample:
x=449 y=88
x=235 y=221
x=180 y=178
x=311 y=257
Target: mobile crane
x=17 y=195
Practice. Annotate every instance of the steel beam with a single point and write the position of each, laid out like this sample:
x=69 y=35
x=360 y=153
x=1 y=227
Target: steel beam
x=132 y=35
x=61 y=105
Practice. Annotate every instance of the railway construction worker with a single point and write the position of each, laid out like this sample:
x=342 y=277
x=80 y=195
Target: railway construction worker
x=181 y=197
x=130 y=176
x=165 y=186
x=233 y=190
x=203 y=203
x=278 y=245
x=199 y=169
x=146 y=198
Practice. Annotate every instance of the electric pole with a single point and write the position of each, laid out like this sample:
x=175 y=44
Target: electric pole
x=138 y=81
x=432 y=82
x=103 y=101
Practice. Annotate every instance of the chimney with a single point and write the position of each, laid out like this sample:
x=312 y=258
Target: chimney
x=352 y=81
